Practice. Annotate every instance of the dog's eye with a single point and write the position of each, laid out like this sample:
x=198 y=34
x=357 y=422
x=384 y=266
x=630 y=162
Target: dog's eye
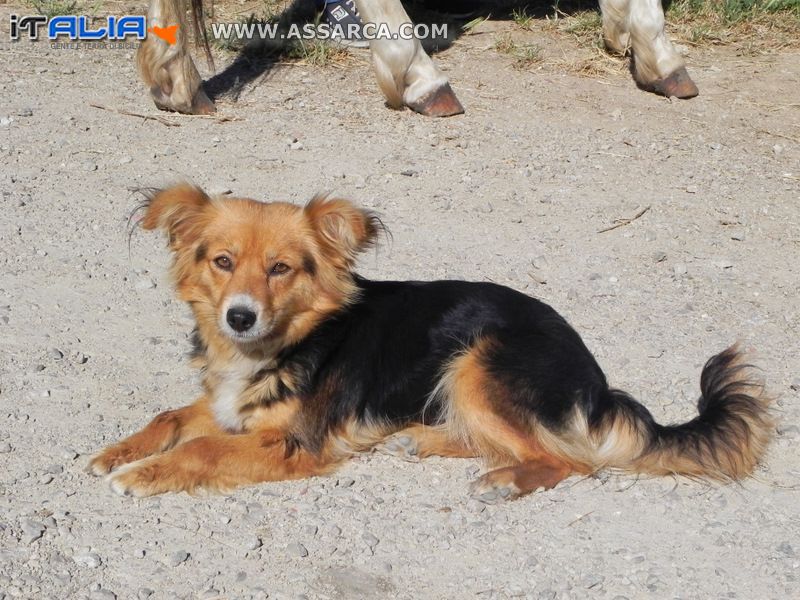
x=279 y=269
x=224 y=263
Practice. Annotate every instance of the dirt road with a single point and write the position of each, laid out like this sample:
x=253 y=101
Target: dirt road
x=516 y=191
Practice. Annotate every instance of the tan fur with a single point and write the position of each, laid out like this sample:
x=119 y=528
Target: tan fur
x=189 y=449
x=167 y=430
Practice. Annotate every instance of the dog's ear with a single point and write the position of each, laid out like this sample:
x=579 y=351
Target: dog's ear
x=342 y=228
x=176 y=210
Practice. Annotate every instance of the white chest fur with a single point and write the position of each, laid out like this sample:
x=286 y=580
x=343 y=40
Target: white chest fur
x=229 y=389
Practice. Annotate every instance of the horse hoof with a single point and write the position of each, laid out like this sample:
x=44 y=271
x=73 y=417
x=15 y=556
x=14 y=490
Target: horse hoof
x=202 y=104
x=441 y=102
x=677 y=84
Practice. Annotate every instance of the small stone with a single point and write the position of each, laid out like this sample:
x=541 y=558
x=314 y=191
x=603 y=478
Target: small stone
x=90 y=559
x=45 y=479
x=370 y=539
x=795 y=385
x=409 y=172
x=786 y=549
x=5 y=448
x=254 y=543
x=345 y=482
x=25 y=112
x=738 y=235
x=297 y=549
x=144 y=593
x=68 y=454
x=144 y=283
x=178 y=557
x=32 y=531
x=296 y=145
x=724 y=263
x=659 y=256
x=140 y=553
x=691 y=189
x=6 y=121
x=55 y=469
x=56 y=353
x=679 y=269
x=102 y=594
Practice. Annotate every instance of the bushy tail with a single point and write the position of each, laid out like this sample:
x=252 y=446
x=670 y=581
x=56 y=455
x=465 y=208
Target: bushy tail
x=724 y=442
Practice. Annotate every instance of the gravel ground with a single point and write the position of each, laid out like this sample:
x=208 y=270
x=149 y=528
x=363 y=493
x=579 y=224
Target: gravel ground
x=516 y=191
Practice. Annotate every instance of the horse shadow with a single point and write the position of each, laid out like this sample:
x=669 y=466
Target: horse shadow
x=256 y=59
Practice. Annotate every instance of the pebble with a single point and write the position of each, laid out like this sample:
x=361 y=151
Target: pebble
x=144 y=593
x=786 y=549
x=68 y=454
x=659 y=256
x=90 y=559
x=370 y=539
x=795 y=385
x=32 y=531
x=345 y=482
x=738 y=235
x=56 y=353
x=102 y=594
x=140 y=553
x=144 y=283
x=5 y=448
x=297 y=549
x=679 y=269
x=178 y=557
x=254 y=543
x=691 y=189
x=296 y=145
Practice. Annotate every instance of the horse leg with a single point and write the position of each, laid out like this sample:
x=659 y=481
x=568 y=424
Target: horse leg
x=406 y=74
x=166 y=65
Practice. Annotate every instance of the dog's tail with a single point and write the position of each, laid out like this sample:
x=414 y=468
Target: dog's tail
x=724 y=442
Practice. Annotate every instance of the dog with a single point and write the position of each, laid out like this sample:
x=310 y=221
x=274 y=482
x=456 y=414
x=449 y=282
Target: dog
x=306 y=364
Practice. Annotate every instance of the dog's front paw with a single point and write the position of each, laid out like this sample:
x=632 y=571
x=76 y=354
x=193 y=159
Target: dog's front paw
x=145 y=477
x=110 y=459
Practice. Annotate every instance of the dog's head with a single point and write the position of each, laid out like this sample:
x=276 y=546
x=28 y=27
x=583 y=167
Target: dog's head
x=260 y=274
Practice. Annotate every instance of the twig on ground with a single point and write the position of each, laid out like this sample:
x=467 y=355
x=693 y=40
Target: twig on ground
x=161 y=120
x=583 y=516
x=623 y=222
x=780 y=135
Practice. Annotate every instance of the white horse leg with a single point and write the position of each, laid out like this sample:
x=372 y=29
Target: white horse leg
x=657 y=65
x=167 y=68
x=615 y=24
x=406 y=74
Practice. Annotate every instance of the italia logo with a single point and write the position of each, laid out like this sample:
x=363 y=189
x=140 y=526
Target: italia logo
x=77 y=27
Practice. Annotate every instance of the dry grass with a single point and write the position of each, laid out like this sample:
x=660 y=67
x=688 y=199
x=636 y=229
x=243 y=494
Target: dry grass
x=754 y=26
x=524 y=55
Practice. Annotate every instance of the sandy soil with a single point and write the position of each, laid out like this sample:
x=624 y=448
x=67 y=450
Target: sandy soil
x=93 y=344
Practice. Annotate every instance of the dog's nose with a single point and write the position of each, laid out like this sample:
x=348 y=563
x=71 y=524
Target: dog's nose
x=240 y=318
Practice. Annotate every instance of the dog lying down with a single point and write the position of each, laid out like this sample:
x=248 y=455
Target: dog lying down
x=305 y=364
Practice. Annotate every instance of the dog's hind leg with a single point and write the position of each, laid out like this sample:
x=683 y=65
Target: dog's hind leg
x=511 y=482
x=476 y=410
x=162 y=433
x=421 y=441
